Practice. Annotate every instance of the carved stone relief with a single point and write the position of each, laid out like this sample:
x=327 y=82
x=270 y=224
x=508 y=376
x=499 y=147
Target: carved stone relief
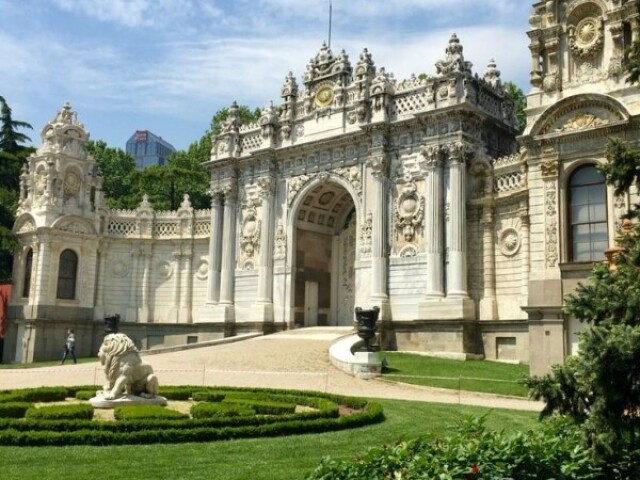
x=280 y=243
x=551 y=223
x=365 y=236
x=409 y=212
x=250 y=232
x=509 y=241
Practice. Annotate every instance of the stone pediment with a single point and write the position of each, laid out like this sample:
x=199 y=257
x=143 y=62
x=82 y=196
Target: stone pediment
x=580 y=113
x=74 y=224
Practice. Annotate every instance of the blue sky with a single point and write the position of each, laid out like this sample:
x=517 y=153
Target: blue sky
x=169 y=65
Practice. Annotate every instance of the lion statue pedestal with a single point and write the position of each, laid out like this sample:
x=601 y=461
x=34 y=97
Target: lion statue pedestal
x=130 y=380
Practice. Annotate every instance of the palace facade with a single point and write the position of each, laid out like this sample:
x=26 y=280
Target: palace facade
x=357 y=189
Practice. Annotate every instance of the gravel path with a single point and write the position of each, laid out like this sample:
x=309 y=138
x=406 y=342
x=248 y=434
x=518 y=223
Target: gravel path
x=294 y=359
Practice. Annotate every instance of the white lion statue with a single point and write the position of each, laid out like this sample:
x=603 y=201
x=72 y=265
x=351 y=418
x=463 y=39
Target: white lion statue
x=125 y=371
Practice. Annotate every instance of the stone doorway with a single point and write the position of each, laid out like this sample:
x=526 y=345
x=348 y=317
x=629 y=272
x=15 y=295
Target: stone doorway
x=325 y=252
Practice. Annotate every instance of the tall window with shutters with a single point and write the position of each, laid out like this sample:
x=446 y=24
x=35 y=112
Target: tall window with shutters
x=67 y=275
x=28 y=265
x=587 y=215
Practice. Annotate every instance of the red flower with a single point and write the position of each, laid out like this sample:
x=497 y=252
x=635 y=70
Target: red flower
x=474 y=471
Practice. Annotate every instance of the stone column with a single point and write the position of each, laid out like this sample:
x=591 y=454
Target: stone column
x=457 y=266
x=145 y=255
x=266 y=191
x=98 y=311
x=378 y=165
x=177 y=285
x=434 y=223
x=215 y=249
x=185 y=315
x=265 y=280
x=132 y=310
x=488 y=306
x=41 y=280
x=228 y=247
x=536 y=73
x=525 y=254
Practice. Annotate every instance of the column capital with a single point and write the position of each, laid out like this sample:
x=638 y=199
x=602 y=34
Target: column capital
x=487 y=216
x=216 y=194
x=457 y=151
x=377 y=163
x=432 y=157
x=266 y=187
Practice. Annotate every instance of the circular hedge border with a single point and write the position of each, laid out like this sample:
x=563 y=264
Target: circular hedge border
x=324 y=415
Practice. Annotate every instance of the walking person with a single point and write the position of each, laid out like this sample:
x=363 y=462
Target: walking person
x=69 y=347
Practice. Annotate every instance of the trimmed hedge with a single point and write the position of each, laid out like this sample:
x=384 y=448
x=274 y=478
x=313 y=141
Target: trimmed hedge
x=208 y=396
x=141 y=430
x=14 y=409
x=134 y=412
x=216 y=410
x=264 y=407
x=85 y=394
x=76 y=411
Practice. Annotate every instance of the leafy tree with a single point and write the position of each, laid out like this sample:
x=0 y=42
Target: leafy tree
x=246 y=114
x=120 y=177
x=517 y=95
x=600 y=387
x=13 y=156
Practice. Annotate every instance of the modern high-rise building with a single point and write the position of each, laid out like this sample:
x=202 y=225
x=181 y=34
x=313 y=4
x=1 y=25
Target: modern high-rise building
x=148 y=149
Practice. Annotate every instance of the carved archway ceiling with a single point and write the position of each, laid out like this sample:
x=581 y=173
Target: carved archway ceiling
x=324 y=209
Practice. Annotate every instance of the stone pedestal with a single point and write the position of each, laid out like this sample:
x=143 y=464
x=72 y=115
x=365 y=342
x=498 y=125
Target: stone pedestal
x=447 y=309
x=367 y=365
x=100 y=402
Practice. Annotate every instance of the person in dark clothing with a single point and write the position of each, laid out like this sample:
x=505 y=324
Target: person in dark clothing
x=69 y=347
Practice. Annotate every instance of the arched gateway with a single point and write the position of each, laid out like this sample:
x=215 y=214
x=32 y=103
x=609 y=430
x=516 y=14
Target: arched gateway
x=322 y=261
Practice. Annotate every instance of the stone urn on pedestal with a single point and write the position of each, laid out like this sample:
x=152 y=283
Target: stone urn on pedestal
x=366 y=326
x=366 y=362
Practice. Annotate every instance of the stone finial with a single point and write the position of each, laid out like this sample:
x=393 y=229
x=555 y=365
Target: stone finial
x=454 y=62
x=67 y=116
x=492 y=74
x=233 y=121
x=290 y=86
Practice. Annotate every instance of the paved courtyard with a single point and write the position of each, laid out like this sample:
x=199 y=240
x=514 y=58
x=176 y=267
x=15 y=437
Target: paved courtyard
x=293 y=359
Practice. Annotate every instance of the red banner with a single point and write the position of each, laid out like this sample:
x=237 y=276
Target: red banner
x=5 y=295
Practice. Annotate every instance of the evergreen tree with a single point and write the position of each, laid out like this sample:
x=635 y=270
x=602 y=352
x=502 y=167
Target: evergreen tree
x=13 y=156
x=600 y=387
x=517 y=95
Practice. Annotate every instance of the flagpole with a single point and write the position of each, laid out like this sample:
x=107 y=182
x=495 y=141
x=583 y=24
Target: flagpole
x=330 y=15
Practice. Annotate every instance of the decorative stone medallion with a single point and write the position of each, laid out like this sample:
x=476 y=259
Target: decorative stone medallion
x=164 y=269
x=587 y=38
x=202 y=272
x=509 y=241
x=120 y=268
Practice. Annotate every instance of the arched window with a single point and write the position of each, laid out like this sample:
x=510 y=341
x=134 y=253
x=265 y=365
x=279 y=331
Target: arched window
x=28 y=265
x=67 y=274
x=587 y=215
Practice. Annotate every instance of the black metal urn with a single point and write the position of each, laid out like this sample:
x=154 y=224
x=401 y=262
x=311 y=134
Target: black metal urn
x=111 y=323
x=366 y=326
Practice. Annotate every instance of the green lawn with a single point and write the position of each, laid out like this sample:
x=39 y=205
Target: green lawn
x=472 y=375
x=280 y=458
x=48 y=363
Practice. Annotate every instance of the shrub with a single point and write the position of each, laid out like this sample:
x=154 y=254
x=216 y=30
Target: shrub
x=177 y=393
x=43 y=394
x=134 y=412
x=552 y=451
x=208 y=396
x=79 y=411
x=14 y=409
x=264 y=407
x=141 y=427
x=215 y=410
x=85 y=394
